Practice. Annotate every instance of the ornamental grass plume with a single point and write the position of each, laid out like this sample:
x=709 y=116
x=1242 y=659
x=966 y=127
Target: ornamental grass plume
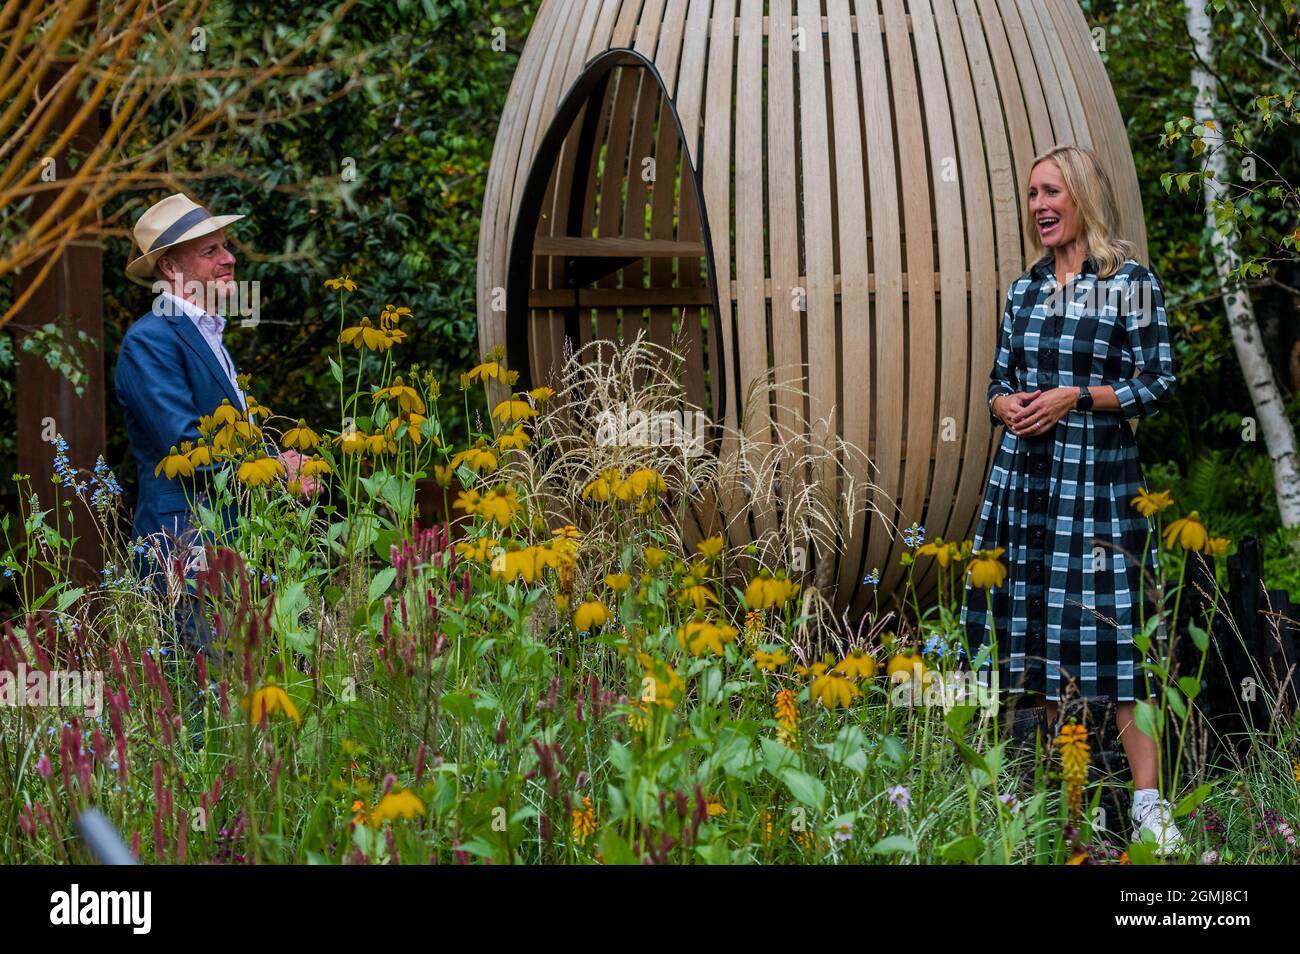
x=1072 y=745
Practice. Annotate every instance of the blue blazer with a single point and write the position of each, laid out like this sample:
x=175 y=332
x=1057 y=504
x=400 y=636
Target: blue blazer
x=167 y=376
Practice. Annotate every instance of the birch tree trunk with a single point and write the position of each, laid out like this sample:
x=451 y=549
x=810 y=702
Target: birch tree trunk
x=1270 y=413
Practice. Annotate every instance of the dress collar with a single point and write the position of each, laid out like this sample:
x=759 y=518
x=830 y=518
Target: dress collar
x=1043 y=269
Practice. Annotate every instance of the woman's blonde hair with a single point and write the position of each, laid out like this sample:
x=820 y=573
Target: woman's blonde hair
x=1091 y=190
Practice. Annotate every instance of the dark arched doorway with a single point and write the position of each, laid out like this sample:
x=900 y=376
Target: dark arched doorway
x=611 y=236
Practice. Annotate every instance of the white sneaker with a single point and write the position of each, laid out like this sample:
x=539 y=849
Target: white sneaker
x=1156 y=815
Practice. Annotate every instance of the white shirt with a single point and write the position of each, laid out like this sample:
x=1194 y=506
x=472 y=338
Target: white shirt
x=211 y=327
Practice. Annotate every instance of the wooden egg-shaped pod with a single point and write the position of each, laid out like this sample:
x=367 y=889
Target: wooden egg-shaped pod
x=829 y=191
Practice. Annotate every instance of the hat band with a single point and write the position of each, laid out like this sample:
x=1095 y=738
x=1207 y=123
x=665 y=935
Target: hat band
x=178 y=228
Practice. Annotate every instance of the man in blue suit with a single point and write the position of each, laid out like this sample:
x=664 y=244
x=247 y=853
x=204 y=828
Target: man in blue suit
x=173 y=367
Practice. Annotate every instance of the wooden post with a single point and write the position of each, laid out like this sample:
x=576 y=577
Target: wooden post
x=45 y=399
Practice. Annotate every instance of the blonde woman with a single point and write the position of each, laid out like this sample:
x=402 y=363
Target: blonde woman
x=1084 y=345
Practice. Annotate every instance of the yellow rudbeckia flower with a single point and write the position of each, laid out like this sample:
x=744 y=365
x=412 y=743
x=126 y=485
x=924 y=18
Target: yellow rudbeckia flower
x=199 y=456
x=661 y=686
x=412 y=420
x=527 y=563
x=654 y=557
x=175 y=464
x=315 y=467
x=697 y=594
x=1218 y=546
x=369 y=337
x=604 y=486
x=513 y=410
x=711 y=547
x=1187 y=532
x=477 y=458
x=859 y=664
x=697 y=635
x=351 y=442
x=259 y=472
x=986 y=569
x=906 y=666
x=513 y=440
x=770 y=662
x=226 y=413
x=301 y=438
x=590 y=615
x=477 y=551
x=344 y=282
x=407 y=398
x=1149 y=504
x=399 y=803
x=270 y=700
x=937 y=548
x=831 y=688
x=489 y=370
x=499 y=506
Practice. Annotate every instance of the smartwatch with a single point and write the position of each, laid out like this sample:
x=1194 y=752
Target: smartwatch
x=1085 y=399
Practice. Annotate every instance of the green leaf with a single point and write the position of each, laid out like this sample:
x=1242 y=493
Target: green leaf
x=384 y=540
x=1141 y=853
x=1199 y=636
x=962 y=850
x=972 y=758
x=68 y=597
x=621 y=756
x=613 y=849
x=1175 y=700
x=381 y=581
x=1190 y=685
x=893 y=845
x=458 y=704
x=959 y=717
x=1144 y=714
x=336 y=371
x=1185 y=806
x=776 y=756
x=804 y=787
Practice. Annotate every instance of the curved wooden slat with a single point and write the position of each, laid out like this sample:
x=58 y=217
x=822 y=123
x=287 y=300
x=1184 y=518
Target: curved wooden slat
x=828 y=168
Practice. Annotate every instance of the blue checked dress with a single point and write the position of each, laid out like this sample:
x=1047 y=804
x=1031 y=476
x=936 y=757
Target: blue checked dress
x=1059 y=502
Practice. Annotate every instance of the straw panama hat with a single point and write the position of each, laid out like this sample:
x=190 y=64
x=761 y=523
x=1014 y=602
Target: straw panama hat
x=175 y=219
